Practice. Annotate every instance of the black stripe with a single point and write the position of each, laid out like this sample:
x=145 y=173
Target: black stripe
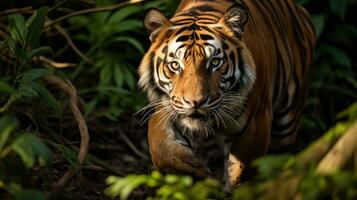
x=206 y=37
x=183 y=38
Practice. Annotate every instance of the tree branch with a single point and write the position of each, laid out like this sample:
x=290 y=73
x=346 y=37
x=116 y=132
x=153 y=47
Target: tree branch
x=72 y=45
x=340 y=153
x=16 y=10
x=67 y=87
x=92 y=10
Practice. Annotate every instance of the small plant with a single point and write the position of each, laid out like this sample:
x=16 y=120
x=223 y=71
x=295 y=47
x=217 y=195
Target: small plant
x=15 y=142
x=168 y=187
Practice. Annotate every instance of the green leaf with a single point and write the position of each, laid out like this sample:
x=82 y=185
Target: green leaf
x=27 y=89
x=89 y=107
x=18 y=193
x=129 y=78
x=7 y=126
x=31 y=149
x=31 y=88
x=39 y=51
x=118 y=76
x=47 y=97
x=121 y=14
x=339 y=56
x=129 y=25
x=106 y=74
x=35 y=74
x=35 y=25
x=339 y=7
x=138 y=45
x=123 y=186
x=26 y=194
x=6 y=88
x=18 y=30
x=319 y=22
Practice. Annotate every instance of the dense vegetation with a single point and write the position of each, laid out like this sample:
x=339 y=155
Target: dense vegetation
x=50 y=52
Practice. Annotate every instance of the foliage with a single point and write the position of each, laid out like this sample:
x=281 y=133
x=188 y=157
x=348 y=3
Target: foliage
x=23 y=86
x=22 y=46
x=168 y=187
x=116 y=48
x=18 y=143
x=333 y=83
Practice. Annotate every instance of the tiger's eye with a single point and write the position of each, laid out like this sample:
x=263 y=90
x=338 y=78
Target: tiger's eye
x=174 y=65
x=215 y=62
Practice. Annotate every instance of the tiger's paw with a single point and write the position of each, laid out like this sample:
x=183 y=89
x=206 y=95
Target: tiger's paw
x=177 y=158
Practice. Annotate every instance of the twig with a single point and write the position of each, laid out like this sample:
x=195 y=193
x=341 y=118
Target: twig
x=67 y=87
x=57 y=5
x=340 y=153
x=16 y=10
x=56 y=64
x=72 y=45
x=92 y=10
x=133 y=147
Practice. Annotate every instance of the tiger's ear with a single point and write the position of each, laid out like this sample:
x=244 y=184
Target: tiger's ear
x=235 y=18
x=154 y=21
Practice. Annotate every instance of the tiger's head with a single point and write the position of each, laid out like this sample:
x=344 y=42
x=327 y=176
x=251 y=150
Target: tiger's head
x=197 y=72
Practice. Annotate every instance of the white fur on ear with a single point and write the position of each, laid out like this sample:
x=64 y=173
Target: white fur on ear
x=235 y=18
x=154 y=21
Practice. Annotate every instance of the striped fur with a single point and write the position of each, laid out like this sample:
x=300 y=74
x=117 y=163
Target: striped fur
x=226 y=66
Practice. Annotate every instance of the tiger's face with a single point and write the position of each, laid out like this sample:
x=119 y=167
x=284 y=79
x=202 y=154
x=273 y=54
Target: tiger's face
x=197 y=71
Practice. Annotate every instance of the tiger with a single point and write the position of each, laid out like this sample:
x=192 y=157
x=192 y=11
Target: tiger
x=237 y=68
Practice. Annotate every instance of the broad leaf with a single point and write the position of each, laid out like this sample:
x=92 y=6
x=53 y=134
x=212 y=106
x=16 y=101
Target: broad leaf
x=35 y=25
x=138 y=45
x=35 y=74
x=31 y=149
x=39 y=51
x=18 y=30
x=319 y=22
x=7 y=126
x=6 y=88
x=339 y=7
x=46 y=97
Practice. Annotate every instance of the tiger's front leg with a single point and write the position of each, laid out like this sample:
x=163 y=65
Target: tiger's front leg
x=247 y=147
x=169 y=154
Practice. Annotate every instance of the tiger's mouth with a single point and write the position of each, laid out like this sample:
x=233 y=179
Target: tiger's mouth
x=197 y=117
x=195 y=121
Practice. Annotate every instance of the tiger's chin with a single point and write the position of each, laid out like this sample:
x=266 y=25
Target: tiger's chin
x=196 y=123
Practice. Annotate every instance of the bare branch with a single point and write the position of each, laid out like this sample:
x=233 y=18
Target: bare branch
x=133 y=147
x=92 y=10
x=72 y=45
x=67 y=87
x=16 y=10
x=56 y=64
x=55 y=7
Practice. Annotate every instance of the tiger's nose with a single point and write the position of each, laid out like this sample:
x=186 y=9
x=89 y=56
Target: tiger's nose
x=196 y=102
